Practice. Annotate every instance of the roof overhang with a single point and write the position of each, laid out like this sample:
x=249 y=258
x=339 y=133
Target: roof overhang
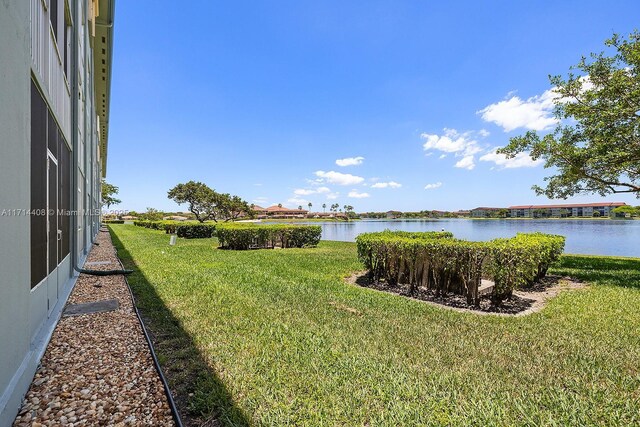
x=102 y=60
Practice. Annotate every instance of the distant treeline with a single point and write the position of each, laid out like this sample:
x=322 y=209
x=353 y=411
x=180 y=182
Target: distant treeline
x=421 y=214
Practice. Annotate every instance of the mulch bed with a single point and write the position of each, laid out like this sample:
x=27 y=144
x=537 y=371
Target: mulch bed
x=523 y=301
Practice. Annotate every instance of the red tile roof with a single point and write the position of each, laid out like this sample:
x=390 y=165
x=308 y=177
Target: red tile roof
x=276 y=208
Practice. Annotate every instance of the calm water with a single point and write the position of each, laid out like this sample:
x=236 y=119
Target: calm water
x=597 y=237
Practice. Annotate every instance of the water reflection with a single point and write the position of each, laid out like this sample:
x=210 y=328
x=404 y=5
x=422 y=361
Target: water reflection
x=597 y=237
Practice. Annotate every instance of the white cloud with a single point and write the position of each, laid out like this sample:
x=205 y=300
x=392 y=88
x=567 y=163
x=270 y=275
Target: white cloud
x=432 y=186
x=350 y=161
x=460 y=144
x=339 y=178
x=534 y=113
x=467 y=162
x=521 y=160
x=296 y=201
x=355 y=195
x=332 y=196
x=308 y=191
x=484 y=133
x=451 y=142
x=390 y=184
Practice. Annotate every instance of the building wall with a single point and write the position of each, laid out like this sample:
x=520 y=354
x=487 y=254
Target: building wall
x=28 y=314
x=14 y=194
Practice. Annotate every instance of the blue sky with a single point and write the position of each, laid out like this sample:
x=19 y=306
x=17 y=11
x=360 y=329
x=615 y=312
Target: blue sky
x=375 y=104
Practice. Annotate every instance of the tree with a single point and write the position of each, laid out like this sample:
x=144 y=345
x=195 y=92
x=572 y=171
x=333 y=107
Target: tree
x=108 y=192
x=233 y=207
x=324 y=207
x=626 y=210
x=152 y=214
x=309 y=204
x=595 y=147
x=279 y=205
x=204 y=202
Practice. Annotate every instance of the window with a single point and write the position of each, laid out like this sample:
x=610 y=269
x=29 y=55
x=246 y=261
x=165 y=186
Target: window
x=50 y=190
x=66 y=40
x=53 y=16
x=38 y=186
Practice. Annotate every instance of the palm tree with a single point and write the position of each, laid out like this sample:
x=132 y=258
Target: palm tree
x=299 y=207
x=324 y=207
x=279 y=205
x=310 y=204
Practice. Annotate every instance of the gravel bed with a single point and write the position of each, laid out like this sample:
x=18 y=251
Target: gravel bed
x=97 y=369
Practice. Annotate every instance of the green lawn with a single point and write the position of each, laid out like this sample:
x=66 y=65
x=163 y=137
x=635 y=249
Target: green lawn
x=276 y=337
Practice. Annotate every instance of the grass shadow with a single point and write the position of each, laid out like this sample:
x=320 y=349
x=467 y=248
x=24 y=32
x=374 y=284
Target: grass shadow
x=615 y=271
x=200 y=395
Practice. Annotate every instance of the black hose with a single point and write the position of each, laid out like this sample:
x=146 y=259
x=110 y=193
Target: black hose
x=102 y=272
x=156 y=363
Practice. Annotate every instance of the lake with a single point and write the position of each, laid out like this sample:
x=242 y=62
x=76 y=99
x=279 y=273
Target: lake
x=596 y=237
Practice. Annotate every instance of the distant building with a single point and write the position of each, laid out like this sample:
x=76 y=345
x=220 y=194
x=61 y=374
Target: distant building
x=393 y=214
x=484 y=212
x=276 y=211
x=573 y=210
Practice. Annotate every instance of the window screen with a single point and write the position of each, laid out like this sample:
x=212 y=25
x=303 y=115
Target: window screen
x=64 y=198
x=38 y=187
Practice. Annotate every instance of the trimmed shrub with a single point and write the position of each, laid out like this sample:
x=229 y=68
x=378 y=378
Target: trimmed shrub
x=113 y=221
x=195 y=231
x=432 y=260
x=251 y=236
x=437 y=261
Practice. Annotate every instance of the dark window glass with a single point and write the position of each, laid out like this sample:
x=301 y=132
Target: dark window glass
x=53 y=215
x=38 y=187
x=65 y=50
x=52 y=135
x=53 y=15
x=64 y=198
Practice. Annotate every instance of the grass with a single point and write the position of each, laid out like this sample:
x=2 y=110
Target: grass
x=276 y=337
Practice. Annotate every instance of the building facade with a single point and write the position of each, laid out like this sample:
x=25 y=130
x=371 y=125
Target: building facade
x=55 y=72
x=484 y=212
x=575 y=210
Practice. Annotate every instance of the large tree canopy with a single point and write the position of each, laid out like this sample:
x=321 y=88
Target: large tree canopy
x=203 y=202
x=595 y=148
x=108 y=193
x=207 y=204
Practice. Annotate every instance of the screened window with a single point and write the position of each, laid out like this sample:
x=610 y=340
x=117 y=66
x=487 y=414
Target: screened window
x=38 y=187
x=50 y=190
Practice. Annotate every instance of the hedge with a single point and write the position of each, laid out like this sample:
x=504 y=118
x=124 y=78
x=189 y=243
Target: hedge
x=196 y=231
x=438 y=262
x=187 y=229
x=251 y=236
x=113 y=221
